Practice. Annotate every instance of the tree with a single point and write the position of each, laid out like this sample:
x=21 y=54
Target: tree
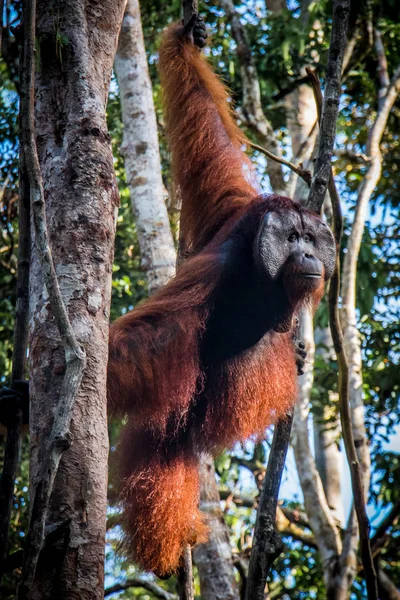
x=81 y=197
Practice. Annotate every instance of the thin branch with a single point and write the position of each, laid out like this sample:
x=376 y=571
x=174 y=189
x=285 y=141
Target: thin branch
x=267 y=544
x=330 y=107
x=138 y=582
x=387 y=588
x=354 y=157
x=287 y=527
x=303 y=173
x=74 y=354
x=296 y=516
x=390 y=519
x=239 y=500
x=343 y=383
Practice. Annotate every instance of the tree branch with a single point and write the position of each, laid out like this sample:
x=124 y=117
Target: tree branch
x=330 y=108
x=382 y=66
x=380 y=533
x=266 y=542
x=74 y=355
x=138 y=582
x=321 y=520
x=286 y=527
x=303 y=173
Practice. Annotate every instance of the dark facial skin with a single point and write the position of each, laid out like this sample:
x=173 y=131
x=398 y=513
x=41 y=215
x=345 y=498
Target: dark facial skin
x=295 y=246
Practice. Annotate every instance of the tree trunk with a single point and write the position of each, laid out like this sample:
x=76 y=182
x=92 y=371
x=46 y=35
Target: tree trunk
x=77 y=41
x=328 y=456
x=251 y=112
x=321 y=520
x=388 y=95
x=141 y=153
x=301 y=118
x=214 y=559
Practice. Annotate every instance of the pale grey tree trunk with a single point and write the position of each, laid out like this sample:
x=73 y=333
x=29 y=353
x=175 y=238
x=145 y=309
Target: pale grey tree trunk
x=328 y=456
x=388 y=93
x=251 y=113
x=214 y=559
x=77 y=41
x=141 y=152
x=301 y=118
x=320 y=516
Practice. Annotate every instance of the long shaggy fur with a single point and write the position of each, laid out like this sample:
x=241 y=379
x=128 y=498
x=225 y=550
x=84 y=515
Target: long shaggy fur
x=176 y=406
x=160 y=498
x=207 y=161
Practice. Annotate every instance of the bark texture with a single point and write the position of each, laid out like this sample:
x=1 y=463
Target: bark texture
x=77 y=42
x=214 y=559
x=141 y=153
x=328 y=456
x=301 y=118
x=348 y=313
x=251 y=112
x=321 y=519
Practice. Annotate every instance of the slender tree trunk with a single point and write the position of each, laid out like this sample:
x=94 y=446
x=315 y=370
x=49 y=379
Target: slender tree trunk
x=387 y=96
x=214 y=559
x=319 y=476
x=77 y=42
x=141 y=153
x=251 y=112
x=321 y=520
x=301 y=117
x=328 y=456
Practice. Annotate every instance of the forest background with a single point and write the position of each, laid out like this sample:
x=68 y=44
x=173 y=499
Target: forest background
x=261 y=51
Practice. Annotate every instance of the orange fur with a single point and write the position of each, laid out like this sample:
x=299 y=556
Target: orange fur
x=177 y=404
x=207 y=161
x=161 y=513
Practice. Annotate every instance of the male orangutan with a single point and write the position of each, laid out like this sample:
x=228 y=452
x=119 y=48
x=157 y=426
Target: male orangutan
x=209 y=360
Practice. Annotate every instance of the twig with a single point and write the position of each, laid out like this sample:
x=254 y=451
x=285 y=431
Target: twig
x=13 y=444
x=330 y=107
x=74 y=355
x=384 y=525
x=239 y=500
x=137 y=582
x=267 y=544
x=343 y=383
x=303 y=173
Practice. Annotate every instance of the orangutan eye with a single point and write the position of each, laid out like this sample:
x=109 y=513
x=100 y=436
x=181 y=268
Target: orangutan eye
x=308 y=239
x=293 y=237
